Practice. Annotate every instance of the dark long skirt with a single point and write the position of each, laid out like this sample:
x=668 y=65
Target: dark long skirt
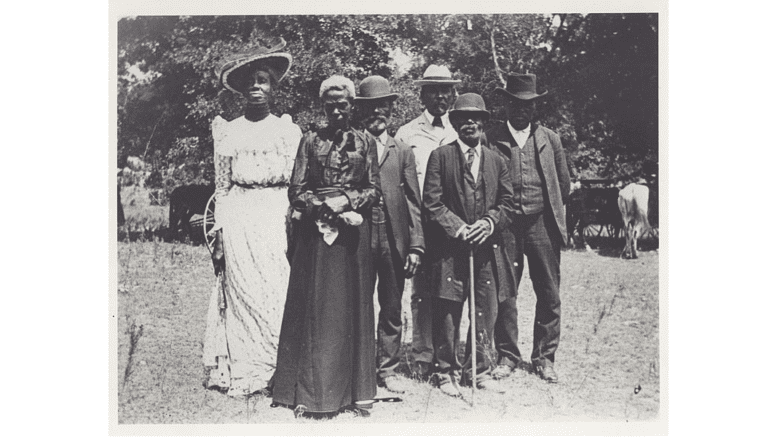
x=326 y=351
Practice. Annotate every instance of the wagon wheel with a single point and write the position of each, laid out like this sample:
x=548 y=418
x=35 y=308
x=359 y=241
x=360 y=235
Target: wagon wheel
x=209 y=222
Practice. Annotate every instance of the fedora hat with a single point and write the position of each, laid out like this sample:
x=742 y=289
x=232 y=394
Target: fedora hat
x=521 y=86
x=437 y=75
x=468 y=103
x=375 y=88
x=266 y=56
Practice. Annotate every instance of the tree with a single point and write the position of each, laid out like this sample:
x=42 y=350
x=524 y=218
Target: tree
x=601 y=71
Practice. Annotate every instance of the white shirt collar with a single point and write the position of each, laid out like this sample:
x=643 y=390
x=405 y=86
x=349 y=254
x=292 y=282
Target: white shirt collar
x=464 y=148
x=520 y=136
x=430 y=118
x=383 y=138
x=514 y=131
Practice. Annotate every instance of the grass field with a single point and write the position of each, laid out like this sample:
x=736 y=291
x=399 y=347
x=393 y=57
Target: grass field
x=608 y=359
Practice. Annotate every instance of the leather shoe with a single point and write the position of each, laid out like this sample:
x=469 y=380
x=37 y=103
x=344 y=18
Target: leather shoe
x=491 y=385
x=448 y=385
x=394 y=383
x=502 y=371
x=547 y=373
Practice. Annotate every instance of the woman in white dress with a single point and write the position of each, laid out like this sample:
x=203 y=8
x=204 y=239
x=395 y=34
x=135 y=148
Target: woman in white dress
x=254 y=157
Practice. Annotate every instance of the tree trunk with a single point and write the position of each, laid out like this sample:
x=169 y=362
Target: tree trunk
x=493 y=53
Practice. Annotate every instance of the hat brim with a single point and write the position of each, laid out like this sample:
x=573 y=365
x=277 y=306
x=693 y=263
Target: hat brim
x=522 y=95
x=279 y=63
x=391 y=97
x=462 y=111
x=422 y=82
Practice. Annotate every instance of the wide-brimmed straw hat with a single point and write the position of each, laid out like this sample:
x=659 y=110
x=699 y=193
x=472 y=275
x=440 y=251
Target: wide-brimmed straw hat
x=375 y=88
x=468 y=103
x=521 y=86
x=267 y=57
x=437 y=75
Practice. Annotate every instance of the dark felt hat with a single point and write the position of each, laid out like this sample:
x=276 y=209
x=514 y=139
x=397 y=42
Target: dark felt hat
x=468 y=103
x=375 y=88
x=521 y=86
x=266 y=56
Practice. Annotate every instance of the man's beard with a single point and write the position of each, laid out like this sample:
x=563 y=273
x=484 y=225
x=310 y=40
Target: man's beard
x=375 y=124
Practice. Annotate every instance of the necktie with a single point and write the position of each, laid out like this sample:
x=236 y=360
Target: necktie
x=470 y=159
x=437 y=122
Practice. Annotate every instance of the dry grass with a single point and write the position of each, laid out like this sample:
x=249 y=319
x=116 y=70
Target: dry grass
x=145 y=219
x=609 y=346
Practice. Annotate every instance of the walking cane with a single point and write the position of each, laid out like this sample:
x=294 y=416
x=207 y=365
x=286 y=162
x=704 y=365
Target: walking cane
x=472 y=318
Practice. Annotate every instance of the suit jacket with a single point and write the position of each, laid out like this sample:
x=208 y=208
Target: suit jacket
x=422 y=137
x=402 y=196
x=554 y=171
x=444 y=207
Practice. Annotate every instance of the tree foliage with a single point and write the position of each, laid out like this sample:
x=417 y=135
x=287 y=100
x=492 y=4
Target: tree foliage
x=601 y=71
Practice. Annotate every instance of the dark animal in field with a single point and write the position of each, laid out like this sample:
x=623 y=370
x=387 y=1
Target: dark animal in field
x=592 y=206
x=185 y=202
x=639 y=210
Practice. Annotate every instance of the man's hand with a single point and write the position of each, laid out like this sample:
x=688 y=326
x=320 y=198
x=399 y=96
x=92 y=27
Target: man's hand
x=478 y=232
x=412 y=263
x=217 y=257
x=337 y=204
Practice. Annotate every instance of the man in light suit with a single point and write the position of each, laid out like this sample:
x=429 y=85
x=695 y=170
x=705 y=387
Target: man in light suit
x=540 y=181
x=397 y=234
x=423 y=134
x=468 y=200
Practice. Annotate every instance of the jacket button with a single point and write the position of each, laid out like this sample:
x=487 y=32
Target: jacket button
x=488 y=282
x=515 y=264
x=449 y=279
x=495 y=246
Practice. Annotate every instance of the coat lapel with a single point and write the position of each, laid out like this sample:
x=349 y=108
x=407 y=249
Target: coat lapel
x=540 y=142
x=503 y=142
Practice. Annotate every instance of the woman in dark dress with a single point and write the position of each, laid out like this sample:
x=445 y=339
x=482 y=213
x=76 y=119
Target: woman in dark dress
x=326 y=354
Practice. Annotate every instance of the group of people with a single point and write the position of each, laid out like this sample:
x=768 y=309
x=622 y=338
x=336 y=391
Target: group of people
x=294 y=318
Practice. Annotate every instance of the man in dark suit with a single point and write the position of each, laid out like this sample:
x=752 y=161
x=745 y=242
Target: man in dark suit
x=467 y=199
x=397 y=235
x=540 y=182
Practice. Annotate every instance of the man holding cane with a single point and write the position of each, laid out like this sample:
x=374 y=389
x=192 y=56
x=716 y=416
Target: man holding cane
x=467 y=200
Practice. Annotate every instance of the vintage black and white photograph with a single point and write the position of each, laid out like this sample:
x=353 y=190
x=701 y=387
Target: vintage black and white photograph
x=388 y=218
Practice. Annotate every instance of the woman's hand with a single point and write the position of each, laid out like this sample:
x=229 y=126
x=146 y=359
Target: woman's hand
x=337 y=204
x=217 y=257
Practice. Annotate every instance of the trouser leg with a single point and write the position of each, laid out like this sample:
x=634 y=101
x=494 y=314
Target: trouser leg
x=446 y=318
x=506 y=333
x=390 y=285
x=421 y=307
x=543 y=252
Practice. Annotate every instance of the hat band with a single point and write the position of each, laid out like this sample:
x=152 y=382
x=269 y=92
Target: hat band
x=437 y=78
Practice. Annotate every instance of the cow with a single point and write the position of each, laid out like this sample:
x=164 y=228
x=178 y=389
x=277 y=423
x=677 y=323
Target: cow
x=185 y=202
x=638 y=205
x=592 y=206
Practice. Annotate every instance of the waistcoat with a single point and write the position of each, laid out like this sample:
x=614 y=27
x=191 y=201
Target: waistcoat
x=474 y=194
x=527 y=183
